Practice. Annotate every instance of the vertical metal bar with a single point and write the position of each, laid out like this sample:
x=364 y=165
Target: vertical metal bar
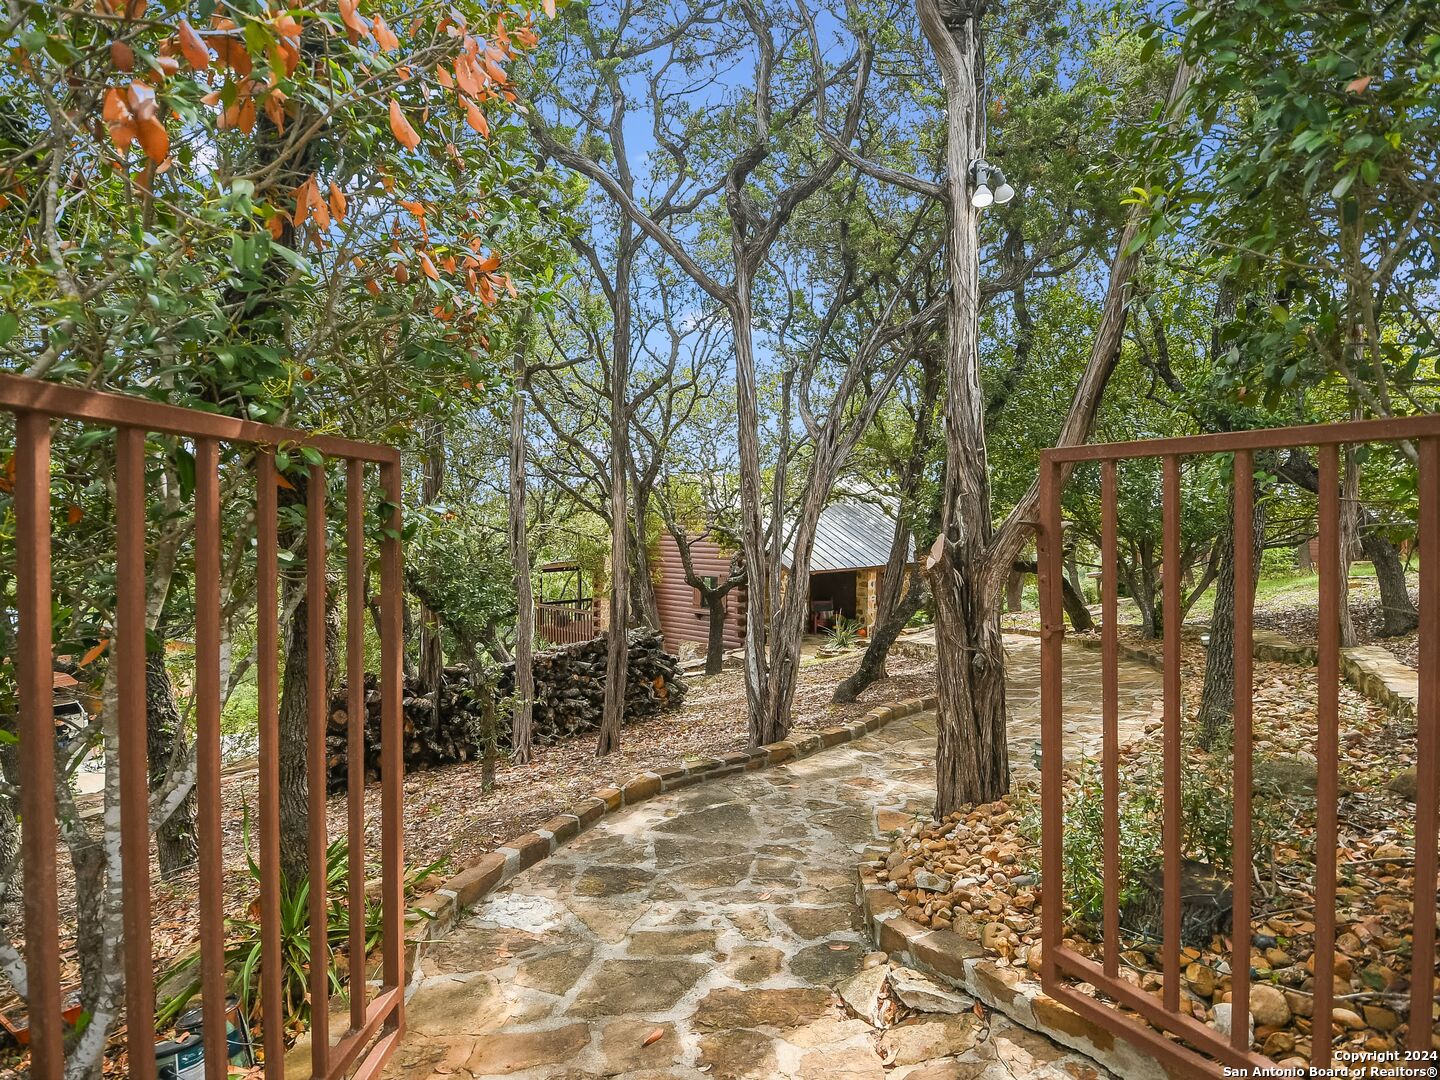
x=317 y=702
x=1244 y=646
x=355 y=714
x=133 y=764
x=392 y=760
x=1427 y=768
x=1327 y=718
x=267 y=631
x=37 y=742
x=1110 y=714
x=207 y=755
x=1171 y=827
x=1052 y=631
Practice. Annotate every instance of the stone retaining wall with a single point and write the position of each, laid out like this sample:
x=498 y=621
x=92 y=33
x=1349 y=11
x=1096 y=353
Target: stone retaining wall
x=959 y=960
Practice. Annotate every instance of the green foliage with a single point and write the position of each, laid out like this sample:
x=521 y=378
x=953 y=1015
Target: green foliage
x=845 y=634
x=1305 y=171
x=1207 y=821
x=243 y=948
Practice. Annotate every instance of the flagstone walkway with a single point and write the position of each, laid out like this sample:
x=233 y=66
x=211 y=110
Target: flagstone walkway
x=700 y=933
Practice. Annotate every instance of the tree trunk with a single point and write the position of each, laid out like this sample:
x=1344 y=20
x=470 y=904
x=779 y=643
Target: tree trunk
x=294 y=720
x=1302 y=557
x=176 y=841
x=759 y=571
x=522 y=719
x=1396 y=606
x=1349 y=538
x=617 y=654
x=971 y=761
x=1217 y=697
x=882 y=637
x=1399 y=609
x=1081 y=621
x=1015 y=592
x=715 y=633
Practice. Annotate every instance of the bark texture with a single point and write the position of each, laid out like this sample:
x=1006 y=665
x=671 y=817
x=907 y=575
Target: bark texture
x=972 y=560
x=522 y=719
x=176 y=841
x=1217 y=696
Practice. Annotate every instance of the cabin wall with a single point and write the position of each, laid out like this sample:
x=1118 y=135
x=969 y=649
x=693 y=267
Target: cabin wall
x=682 y=618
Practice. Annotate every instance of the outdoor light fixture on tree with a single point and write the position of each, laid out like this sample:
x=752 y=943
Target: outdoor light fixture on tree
x=988 y=185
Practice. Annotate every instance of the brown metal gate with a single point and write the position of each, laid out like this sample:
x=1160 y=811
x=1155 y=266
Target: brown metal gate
x=1172 y=1035
x=375 y=1025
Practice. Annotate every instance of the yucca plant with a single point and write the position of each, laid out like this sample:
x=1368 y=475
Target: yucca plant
x=243 y=952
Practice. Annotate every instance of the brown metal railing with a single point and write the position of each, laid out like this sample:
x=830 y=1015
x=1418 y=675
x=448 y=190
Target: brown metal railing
x=375 y=1025
x=1171 y=1035
x=566 y=622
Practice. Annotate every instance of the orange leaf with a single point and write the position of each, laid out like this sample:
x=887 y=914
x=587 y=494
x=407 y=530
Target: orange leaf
x=1360 y=85
x=283 y=482
x=302 y=203
x=231 y=52
x=416 y=208
x=494 y=70
x=428 y=268
x=289 y=57
x=276 y=225
x=490 y=262
x=275 y=110
x=93 y=653
x=444 y=78
x=476 y=119
x=402 y=273
x=114 y=110
x=193 y=46
x=400 y=127
x=337 y=202
x=122 y=135
x=448 y=263
x=74 y=515
x=465 y=75
x=659 y=1033
x=122 y=56
x=372 y=286
x=154 y=139
x=384 y=36
x=350 y=16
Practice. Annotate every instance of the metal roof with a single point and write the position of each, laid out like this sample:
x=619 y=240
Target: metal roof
x=853 y=534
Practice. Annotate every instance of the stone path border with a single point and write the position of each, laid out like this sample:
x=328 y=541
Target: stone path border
x=435 y=914
x=961 y=962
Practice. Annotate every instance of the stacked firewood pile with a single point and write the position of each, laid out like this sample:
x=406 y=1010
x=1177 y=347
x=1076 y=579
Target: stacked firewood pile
x=570 y=684
x=458 y=736
x=569 y=698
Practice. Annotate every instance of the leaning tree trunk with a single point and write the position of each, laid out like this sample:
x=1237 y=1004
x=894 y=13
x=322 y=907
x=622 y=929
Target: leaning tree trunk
x=522 y=719
x=882 y=637
x=1217 y=697
x=176 y=841
x=1397 y=608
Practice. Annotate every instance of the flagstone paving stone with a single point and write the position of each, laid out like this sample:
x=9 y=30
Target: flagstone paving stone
x=701 y=933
